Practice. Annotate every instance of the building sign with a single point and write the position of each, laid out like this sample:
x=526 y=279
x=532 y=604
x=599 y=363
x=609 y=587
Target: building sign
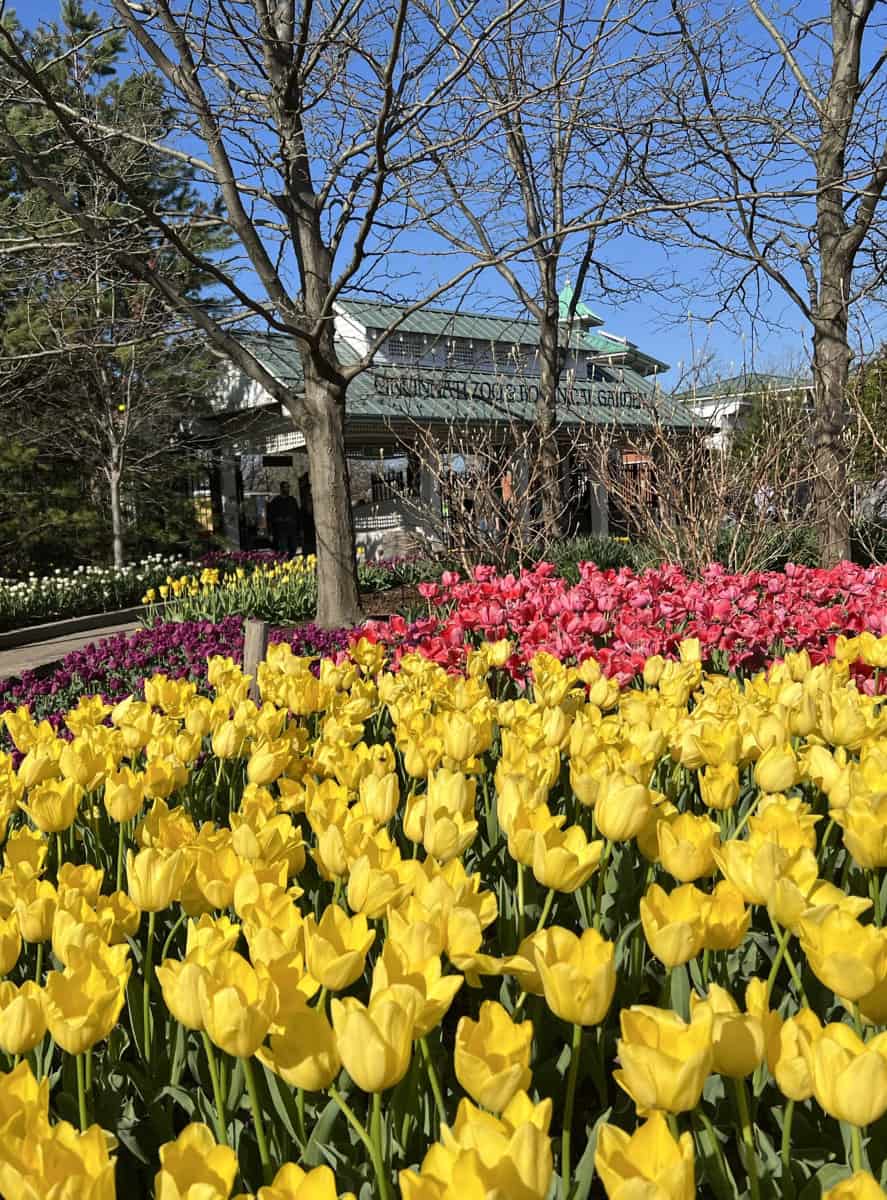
x=497 y=391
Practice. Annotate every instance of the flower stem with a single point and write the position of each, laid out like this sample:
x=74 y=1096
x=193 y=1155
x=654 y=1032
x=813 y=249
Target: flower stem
x=250 y=1077
x=521 y=926
x=221 y=1123
x=785 y=1151
x=572 y=1076
x=433 y=1080
x=855 y=1148
x=751 y=1161
x=146 y=986
x=61 y=853
x=172 y=933
x=372 y=1149
x=81 y=1091
x=875 y=892
x=38 y=966
x=601 y=882
x=546 y=909
x=121 y=842
x=782 y=939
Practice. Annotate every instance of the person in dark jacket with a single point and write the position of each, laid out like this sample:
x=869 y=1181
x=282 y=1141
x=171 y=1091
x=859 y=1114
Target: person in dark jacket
x=285 y=521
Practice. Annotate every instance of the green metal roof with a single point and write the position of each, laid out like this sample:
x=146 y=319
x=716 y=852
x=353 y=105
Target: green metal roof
x=408 y=393
x=582 y=312
x=752 y=383
x=443 y=323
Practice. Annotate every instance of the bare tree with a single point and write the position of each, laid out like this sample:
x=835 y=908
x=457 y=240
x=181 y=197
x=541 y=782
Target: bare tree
x=487 y=484
x=706 y=494
x=781 y=110
x=543 y=101
x=300 y=119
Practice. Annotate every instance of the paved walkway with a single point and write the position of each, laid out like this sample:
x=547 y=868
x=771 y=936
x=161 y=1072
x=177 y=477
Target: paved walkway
x=37 y=654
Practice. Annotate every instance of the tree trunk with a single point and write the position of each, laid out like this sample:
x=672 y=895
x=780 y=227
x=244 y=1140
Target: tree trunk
x=546 y=423
x=338 y=598
x=116 y=518
x=831 y=369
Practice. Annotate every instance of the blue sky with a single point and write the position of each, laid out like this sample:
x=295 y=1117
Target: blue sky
x=671 y=324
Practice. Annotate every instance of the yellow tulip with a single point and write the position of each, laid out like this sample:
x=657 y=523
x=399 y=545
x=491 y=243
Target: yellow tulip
x=755 y=867
x=118 y=916
x=791 y=1070
x=373 y=887
x=623 y=807
x=777 y=769
x=180 y=983
x=292 y=1183
x=40 y=764
x=25 y=850
x=303 y=1052
x=564 y=859
x=849 y=1076
x=228 y=740
x=737 y=1038
x=864 y=826
x=52 y=805
x=578 y=974
x=727 y=919
x=675 y=923
x=435 y=991
x=450 y=791
x=82 y=1003
x=860 y=1186
x=846 y=956
x=685 y=845
x=664 y=1061
x=375 y=1041
x=719 y=786
x=381 y=796
x=336 y=947
x=193 y=1165
x=492 y=1056
x=35 y=905
x=649 y=1163
x=82 y=762
x=238 y=1002
x=10 y=943
x=268 y=761
x=22 y=1019
x=482 y=1155
x=446 y=835
x=155 y=878
x=124 y=794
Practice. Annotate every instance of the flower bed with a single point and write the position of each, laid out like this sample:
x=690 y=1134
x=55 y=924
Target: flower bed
x=621 y=618
x=81 y=591
x=497 y=933
x=116 y=666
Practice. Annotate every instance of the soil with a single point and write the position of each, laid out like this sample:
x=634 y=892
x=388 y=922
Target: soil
x=393 y=600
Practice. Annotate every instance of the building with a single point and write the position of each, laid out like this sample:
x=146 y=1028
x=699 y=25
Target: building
x=724 y=405
x=438 y=371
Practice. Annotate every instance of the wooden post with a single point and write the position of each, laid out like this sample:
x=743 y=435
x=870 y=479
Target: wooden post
x=255 y=645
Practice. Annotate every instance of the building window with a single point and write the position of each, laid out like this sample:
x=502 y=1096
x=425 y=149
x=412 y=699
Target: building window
x=460 y=353
x=405 y=347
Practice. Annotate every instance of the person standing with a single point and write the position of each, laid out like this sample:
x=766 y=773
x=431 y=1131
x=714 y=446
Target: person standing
x=285 y=521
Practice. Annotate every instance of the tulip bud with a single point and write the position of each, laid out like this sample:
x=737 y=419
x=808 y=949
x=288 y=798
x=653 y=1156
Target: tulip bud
x=375 y=1041
x=155 y=878
x=22 y=1020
